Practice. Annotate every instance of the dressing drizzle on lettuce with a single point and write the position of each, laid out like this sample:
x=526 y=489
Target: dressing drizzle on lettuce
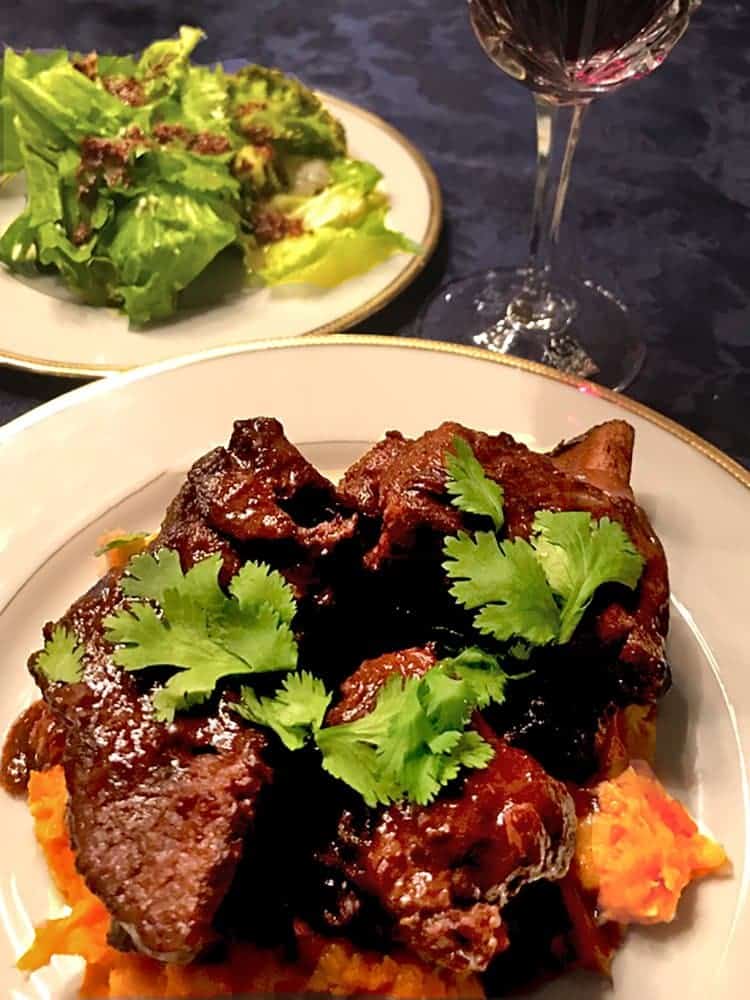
x=141 y=172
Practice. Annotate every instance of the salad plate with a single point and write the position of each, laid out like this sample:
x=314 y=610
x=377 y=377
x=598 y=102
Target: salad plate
x=368 y=261
x=112 y=454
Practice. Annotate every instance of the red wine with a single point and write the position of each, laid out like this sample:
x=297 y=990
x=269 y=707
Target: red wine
x=577 y=48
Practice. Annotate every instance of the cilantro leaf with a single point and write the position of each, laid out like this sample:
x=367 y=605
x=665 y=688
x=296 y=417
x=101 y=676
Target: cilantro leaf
x=351 y=750
x=353 y=760
x=578 y=555
x=256 y=635
x=473 y=751
x=507 y=582
x=61 y=659
x=258 y=583
x=197 y=629
x=414 y=741
x=445 y=698
x=532 y=593
x=482 y=672
x=469 y=485
x=474 y=561
x=122 y=541
x=411 y=744
x=149 y=574
x=294 y=712
x=408 y=755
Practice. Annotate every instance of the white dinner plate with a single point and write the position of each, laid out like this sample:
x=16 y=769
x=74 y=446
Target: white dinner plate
x=45 y=328
x=113 y=453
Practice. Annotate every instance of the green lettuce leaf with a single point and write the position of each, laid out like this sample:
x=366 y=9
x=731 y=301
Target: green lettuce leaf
x=11 y=160
x=58 y=105
x=346 y=230
x=18 y=244
x=91 y=275
x=205 y=99
x=110 y=65
x=330 y=255
x=346 y=201
x=164 y=65
x=290 y=113
x=161 y=242
x=190 y=170
x=11 y=157
x=42 y=184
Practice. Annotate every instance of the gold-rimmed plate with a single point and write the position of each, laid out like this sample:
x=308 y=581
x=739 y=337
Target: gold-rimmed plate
x=113 y=453
x=46 y=329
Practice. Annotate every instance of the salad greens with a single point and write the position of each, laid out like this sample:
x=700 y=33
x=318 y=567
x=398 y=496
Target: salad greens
x=141 y=171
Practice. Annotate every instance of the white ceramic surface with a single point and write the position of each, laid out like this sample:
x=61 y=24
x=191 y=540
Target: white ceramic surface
x=112 y=455
x=43 y=326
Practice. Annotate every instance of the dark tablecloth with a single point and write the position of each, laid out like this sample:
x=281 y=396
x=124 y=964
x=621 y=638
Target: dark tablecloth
x=660 y=204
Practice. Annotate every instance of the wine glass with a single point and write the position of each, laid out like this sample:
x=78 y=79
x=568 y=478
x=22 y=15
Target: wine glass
x=566 y=52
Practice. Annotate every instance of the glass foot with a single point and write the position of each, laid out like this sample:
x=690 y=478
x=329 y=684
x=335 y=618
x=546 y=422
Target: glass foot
x=579 y=328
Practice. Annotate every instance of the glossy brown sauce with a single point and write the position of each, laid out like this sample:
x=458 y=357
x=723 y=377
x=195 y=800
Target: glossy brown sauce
x=34 y=743
x=160 y=817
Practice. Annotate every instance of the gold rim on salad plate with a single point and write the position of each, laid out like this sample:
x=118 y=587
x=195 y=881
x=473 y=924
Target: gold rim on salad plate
x=85 y=369
x=688 y=437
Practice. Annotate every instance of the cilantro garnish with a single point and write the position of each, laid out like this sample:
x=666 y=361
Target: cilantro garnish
x=578 y=555
x=185 y=620
x=507 y=583
x=537 y=591
x=61 y=659
x=294 y=713
x=124 y=541
x=482 y=672
x=415 y=740
x=469 y=485
x=410 y=745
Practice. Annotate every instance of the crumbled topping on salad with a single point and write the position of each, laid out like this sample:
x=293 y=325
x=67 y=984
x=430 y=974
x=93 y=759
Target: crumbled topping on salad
x=219 y=151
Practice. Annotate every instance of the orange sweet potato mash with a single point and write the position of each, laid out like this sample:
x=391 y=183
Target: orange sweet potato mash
x=636 y=852
x=639 y=849
x=324 y=966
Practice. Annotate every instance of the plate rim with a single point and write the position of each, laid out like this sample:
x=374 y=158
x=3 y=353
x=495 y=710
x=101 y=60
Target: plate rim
x=123 y=386
x=124 y=377
x=82 y=369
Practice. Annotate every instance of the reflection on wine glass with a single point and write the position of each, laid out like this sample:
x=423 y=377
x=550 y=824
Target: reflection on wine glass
x=567 y=52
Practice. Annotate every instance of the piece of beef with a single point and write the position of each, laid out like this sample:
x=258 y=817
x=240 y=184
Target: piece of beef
x=261 y=488
x=35 y=742
x=443 y=873
x=556 y=714
x=259 y=498
x=159 y=814
x=603 y=456
x=415 y=513
x=360 y=487
x=359 y=693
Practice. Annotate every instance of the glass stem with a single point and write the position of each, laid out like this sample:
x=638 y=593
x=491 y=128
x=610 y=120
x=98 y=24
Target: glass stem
x=551 y=189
